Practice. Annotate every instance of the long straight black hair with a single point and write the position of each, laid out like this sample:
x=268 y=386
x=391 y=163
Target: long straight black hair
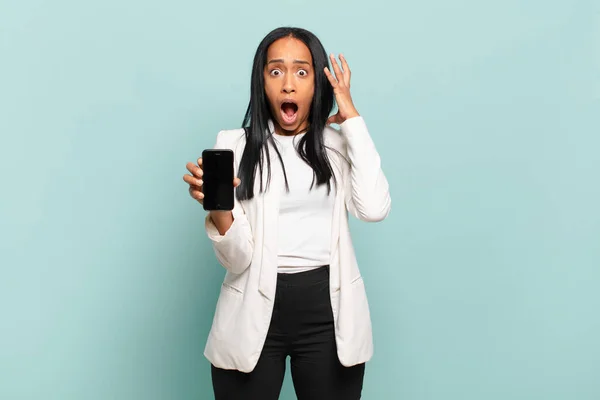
x=311 y=147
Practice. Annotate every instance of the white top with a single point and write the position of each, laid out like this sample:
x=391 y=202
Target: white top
x=249 y=254
x=305 y=215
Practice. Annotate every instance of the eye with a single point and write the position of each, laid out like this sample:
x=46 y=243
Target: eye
x=275 y=72
x=302 y=72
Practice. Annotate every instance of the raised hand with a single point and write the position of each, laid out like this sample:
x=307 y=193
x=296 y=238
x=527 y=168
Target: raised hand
x=341 y=89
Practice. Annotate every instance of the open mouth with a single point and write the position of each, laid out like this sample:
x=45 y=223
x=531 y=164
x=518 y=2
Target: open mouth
x=289 y=112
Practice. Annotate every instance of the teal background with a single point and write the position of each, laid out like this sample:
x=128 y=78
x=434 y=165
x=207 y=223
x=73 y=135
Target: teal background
x=484 y=281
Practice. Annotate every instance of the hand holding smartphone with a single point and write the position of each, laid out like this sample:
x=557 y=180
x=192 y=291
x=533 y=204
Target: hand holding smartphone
x=211 y=180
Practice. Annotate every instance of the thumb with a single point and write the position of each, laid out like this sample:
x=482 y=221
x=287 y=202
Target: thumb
x=236 y=182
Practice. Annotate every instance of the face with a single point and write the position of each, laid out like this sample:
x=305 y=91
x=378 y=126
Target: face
x=289 y=84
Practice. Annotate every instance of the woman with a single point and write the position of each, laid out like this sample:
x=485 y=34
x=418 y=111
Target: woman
x=292 y=285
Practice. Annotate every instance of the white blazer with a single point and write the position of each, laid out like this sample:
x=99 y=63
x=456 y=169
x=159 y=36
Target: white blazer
x=248 y=251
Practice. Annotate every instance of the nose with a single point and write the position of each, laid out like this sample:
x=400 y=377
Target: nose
x=288 y=85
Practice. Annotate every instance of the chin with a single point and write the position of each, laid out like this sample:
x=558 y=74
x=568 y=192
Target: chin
x=290 y=127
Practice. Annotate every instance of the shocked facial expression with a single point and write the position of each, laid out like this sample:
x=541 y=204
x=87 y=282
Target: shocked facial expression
x=289 y=84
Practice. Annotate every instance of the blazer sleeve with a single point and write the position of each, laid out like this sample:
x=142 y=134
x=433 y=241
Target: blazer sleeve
x=367 y=194
x=234 y=249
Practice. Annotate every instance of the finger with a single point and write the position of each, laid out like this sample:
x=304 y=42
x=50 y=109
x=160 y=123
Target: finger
x=196 y=193
x=192 y=180
x=199 y=162
x=346 y=70
x=330 y=77
x=236 y=182
x=196 y=171
x=339 y=75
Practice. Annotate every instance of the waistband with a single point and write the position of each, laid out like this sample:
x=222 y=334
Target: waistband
x=304 y=278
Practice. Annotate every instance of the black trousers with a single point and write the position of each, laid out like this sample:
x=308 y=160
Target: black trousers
x=301 y=328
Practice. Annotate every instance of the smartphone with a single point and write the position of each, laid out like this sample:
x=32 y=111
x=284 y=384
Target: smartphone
x=217 y=166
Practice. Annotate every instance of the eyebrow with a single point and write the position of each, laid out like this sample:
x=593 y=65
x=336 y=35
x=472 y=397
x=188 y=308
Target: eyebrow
x=280 y=60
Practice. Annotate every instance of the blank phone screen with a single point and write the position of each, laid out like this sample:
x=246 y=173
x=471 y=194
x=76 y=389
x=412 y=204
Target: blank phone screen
x=217 y=166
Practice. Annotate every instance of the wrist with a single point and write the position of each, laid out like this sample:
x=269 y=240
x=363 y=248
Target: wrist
x=349 y=117
x=222 y=220
x=217 y=215
x=352 y=114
